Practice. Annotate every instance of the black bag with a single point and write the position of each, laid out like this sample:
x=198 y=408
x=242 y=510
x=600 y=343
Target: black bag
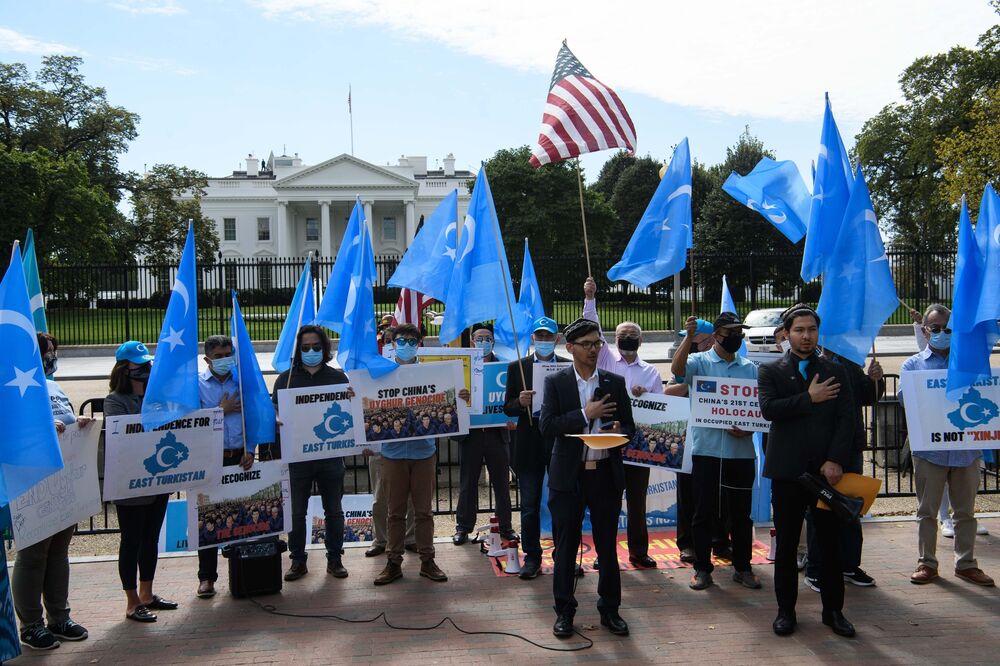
x=255 y=567
x=846 y=508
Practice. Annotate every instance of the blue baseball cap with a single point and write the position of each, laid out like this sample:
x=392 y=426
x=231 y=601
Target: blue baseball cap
x=133 y=351
x=545 y=324
x=704 y=327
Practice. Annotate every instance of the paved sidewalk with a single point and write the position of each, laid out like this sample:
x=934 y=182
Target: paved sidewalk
x=949 y=621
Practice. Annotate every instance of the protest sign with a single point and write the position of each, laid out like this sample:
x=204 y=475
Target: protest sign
x=725 y=402
x=245 y=504
x=174 y=531
x=938 y=424
x=358 y=525
x=539 y=371
x=318 y=422
x=472 y=370
x=661 y=423
x=494 y=392
x=65 y=498
x=412 y=402
x=179 y=455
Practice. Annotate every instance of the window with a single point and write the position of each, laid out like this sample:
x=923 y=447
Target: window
x=312 y=229
x=388 y=229
x=265 y=274
x=229 y=228
x=263 y=228
x=230 y=272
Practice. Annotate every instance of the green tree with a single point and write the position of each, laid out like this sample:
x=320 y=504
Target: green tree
x=971 y=156
x=631 y=194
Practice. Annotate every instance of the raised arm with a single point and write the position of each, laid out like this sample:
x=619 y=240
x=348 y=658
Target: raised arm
x=678 y=365
x=590 y=312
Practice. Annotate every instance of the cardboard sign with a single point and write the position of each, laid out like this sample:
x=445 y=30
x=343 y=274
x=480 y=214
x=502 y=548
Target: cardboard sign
x=539 y=371
x=725 y=402
x=661 y=425
x=938 y=424
x=319 y=422
x=494 y=393
x=245 y=504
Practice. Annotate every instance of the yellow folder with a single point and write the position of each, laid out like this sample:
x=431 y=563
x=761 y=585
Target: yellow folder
x=602 y=440
x=857 y=485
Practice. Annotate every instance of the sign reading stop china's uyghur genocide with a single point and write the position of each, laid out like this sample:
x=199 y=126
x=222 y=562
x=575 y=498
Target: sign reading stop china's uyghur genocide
x=726 y=402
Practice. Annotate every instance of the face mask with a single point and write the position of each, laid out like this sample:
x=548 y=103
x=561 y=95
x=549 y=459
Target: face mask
x=49 y=364
x=545 y=348
x=731 y=343
x=786 y=346
x=222 y=366
x=406 y=353
x=940 y=340
x=140 y=374
x=628 y=344
x=312 y=358
x=485 y=345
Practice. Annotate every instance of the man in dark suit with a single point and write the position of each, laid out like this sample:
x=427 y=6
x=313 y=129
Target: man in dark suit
x=577 y=400
x=531 y=453
x=809 y=403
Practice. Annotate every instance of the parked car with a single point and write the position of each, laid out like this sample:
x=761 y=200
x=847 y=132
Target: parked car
x=760 y=335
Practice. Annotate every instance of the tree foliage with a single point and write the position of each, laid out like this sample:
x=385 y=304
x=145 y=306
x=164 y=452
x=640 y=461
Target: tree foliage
x=971 y=156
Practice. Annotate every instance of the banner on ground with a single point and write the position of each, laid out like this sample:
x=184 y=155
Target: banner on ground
x=938 y=424
x=358 y=525
x=174 y=531
x=180 y=455
x=413 y=402
x=539 y=371
x=245 y=504
x=65 y=498
x=494 y=392
x=472 y=370
x=725 y=402
x=319 y=422
x=661 y=424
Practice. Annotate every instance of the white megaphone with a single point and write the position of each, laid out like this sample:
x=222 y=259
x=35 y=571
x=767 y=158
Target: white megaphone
x=513 y=559
x=496 y=548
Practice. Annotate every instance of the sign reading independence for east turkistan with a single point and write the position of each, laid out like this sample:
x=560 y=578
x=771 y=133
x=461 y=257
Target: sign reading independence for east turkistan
x=319 y=422
x=179 y=455
x=938 y=424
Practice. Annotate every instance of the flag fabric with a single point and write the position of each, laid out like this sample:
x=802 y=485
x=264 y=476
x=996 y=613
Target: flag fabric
x=258 y=410
x=858 y=292
x=658 y=247
x=480 y=288
x=358 y=349
x=301 y=312
x=334 y=303
x=582 y=115
x=29 y=449
x=831 y=192
x=729 y=305
x=529 y=307
x=427 y=264
x=172 y=391
x=972 y=340
x=34 y=283
x=776 y=191
x=410 y=307
x=988 y=239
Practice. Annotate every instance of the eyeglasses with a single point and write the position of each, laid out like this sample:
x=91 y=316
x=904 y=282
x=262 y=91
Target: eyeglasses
x=406 y=342
x=937 y=329
x=482 y=339
x=308 y=348
x=589 y=344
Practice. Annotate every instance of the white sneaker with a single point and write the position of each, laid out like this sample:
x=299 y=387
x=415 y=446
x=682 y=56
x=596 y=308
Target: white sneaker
x=981 y=530
x=948 y=528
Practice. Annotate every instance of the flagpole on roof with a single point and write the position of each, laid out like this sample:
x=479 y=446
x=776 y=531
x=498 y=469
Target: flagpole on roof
x=583 y=216
x=350 y=114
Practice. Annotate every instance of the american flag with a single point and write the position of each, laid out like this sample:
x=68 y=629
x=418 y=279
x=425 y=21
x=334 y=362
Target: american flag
x=410 y=306
x=582 y=115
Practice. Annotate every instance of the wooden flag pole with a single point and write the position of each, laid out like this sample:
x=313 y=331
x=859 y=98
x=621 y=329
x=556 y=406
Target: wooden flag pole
x=583 y=217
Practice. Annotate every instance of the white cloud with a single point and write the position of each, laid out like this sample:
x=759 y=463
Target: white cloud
x=748 y=59
x=161 y=7
x=156 y=65
x=11 y=40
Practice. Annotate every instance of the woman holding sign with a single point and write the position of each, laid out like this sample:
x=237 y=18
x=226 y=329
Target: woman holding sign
x=139 y=518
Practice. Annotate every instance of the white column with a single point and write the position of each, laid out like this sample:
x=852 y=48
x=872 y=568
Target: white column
x=411 y=223
x=281 y=229
x=325 y=230
x=368 y=216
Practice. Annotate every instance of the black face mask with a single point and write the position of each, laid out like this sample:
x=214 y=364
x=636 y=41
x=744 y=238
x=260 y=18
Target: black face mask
x=140 y=374
x=731 y=343
x=628 y=344
x=50 y=364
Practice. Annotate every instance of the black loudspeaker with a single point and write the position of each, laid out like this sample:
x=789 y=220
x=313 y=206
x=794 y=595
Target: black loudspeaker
x=846 y=508
x=255 y=567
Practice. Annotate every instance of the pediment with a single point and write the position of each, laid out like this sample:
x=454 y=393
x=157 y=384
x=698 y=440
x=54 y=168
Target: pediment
x=344 y=172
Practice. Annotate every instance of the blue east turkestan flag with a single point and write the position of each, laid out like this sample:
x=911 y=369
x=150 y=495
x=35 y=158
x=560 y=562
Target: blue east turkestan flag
x=988 y=239
x=300 y=313
x=479 y=289
x=28 y=256
x=729 y=305
x=858 y=292
x=29 y=450
x=831 y=192
x=427 y=264
x=334 y=303
x=777 y=192
x=659 y=245
x=529 y=308
x=172 y=391
x=258 y=410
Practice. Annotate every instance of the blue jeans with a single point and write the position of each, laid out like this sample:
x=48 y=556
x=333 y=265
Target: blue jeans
x=329 y=477
x=529 y=481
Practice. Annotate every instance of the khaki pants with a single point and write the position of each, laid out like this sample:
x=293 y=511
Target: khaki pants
x=407 y=480
x=963 y=483
x=380 y=505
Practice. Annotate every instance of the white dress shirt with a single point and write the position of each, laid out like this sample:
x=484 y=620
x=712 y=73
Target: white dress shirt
x=586 y=388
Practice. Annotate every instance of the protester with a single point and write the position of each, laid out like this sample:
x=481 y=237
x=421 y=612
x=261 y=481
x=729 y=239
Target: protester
x=489 y=445
x=723 y=468
x=531 y=452
x=41 y=570
x=640 y=377
x=932 y=470
x=577 y=400
x=310 y=367
x=218 y=387
x=139 y=518
x=808 y=401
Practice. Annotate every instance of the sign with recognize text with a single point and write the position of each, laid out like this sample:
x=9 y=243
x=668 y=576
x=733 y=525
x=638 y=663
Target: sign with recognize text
x=661 y=425
x=938 y=424
x=726 y=402
x=319 y=422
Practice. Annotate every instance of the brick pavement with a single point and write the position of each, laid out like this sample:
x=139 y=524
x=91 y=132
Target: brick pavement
x=950 y=621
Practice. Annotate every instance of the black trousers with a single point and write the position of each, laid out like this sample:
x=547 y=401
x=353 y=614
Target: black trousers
x=851 y=535
x=483 y=444
x=140 y=536
x=716 y=480
x=789 y=500
x=596 y=492
x=685 y=514
x=636 y=485
x=208 y=558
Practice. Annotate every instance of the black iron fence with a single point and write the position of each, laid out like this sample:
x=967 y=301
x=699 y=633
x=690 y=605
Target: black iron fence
x=111 y=303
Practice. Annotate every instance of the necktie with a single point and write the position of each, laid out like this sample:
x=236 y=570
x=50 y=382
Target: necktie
x=803 y=367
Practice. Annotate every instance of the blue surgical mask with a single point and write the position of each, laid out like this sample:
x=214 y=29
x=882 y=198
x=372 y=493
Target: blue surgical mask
x=485 y=345
x=545 y=348
x=222 y=366
x=406 y=353
x=940 y=340
x=312 y=358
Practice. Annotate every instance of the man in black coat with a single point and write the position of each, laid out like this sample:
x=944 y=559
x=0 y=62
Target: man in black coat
x=578 y=400
x=809 y=403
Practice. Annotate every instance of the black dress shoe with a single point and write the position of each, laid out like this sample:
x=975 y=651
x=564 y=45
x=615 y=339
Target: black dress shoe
x=579 y=571
x=529 y=570
x=374 y=551
x=563 y=628
x=597 y=564
x=840 y=625
x=614 y=622
x=784 y=624
x=688 y=556
x=645 y=561
x=461 y=536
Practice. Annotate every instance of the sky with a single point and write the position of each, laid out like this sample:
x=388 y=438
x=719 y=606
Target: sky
x=214 y=80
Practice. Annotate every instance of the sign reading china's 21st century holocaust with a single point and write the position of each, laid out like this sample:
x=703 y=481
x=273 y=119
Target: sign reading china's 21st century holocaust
x=319 y=422
x=938 y=424
x=179 y=455
x=725 y=402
